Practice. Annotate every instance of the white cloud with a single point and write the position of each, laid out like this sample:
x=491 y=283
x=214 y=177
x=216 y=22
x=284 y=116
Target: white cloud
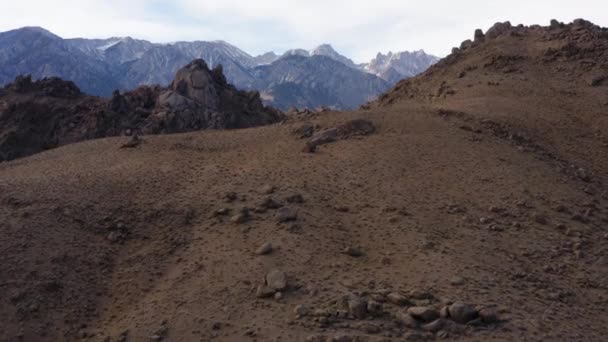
x=357 y=28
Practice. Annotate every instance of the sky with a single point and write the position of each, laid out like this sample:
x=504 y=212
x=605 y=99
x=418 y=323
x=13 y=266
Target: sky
x=357 y=29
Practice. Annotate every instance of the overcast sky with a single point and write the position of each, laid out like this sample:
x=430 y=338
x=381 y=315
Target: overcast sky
x=358 y=29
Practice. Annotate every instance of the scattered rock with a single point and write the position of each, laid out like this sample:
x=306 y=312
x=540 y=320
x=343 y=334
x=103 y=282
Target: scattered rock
x=342 y=338
x=230 y=197
x=597 y=80
x=488 y=315
x=343 y=131
x=375 y=308
x=264 y=249
x=397 y=299
x=583 y=175
x=540 y=218
x=407 y=320
x=277 y=280
x=264 y=292
x=241 y=217
x=286 y=214
x=423 y=313
x=295 y=198
x=462 y=313
x=133 y=142
x=270 y=203
x=306 y=130
x=222 y=212
x=436 y=325
x=316 y=338
x=302 y=310
x=357 y=307
x=353 y=252
x=267 y=189
x=457 y=281
x=415 y=337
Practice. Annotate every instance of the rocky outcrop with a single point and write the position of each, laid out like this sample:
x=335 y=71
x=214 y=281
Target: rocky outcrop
x=38 y=115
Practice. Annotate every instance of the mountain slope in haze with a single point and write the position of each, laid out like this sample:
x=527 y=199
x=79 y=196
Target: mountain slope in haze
x=100 y=66
x=316 y=81
x=33 y=50
x=394 y=67
x=477 y=211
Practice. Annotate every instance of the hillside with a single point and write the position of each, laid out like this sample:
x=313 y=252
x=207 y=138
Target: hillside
x=472 y=210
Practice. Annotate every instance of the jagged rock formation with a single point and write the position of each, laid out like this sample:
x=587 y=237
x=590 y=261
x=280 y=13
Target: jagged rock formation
x=394 y=67
x=310 y=82
x=38 y=115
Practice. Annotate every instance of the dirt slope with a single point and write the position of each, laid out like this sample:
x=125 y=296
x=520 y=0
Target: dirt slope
x=451 y=199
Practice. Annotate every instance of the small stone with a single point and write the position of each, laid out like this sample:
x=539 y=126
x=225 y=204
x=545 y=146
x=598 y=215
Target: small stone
x=583 y=175
x=374 y=308
x=341 y=338
x=354 y=252
x=295 y=198
x=407 y=320
x=267 y=189
x=357 y=307
x=423 y=313
x=485 y=220
x=301 y=310
x=540 y=218
x=462 y=313
x=270 y=203
x=316 y=338
x=264 y=292
x=444 y=312
x=264 y=249
x=436 y=325
x=277 y=280
x=278 y=296
x=222 y=212
x=230 y=197
x=457 y=281
x=286 y=214
x=488 y=315
x=114 y=236
x=415 y=337
x=241 y=217
x=369 y=328
x=397 y=299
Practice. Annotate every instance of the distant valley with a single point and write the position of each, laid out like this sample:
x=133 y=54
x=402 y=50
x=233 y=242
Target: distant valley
x=297 y=78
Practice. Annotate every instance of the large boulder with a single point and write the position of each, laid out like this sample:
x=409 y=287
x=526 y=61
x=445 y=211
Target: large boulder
x=498 y=29
x=195 y=81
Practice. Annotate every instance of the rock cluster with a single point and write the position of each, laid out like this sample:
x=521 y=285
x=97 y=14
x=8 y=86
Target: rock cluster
x=417 y=310
x=51 y=112
x=344 y=131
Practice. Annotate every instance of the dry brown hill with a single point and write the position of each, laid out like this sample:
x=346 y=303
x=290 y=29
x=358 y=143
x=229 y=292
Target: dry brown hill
x=480 y=202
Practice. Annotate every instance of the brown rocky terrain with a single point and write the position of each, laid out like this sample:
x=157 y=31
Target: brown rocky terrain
x=468 y=203
x=38 y=115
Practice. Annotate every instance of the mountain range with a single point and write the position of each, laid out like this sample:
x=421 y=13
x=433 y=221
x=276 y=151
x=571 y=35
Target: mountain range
x=319 y=77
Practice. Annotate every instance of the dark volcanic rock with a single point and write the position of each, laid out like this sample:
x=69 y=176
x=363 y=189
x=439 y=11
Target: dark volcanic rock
x=39 y=115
